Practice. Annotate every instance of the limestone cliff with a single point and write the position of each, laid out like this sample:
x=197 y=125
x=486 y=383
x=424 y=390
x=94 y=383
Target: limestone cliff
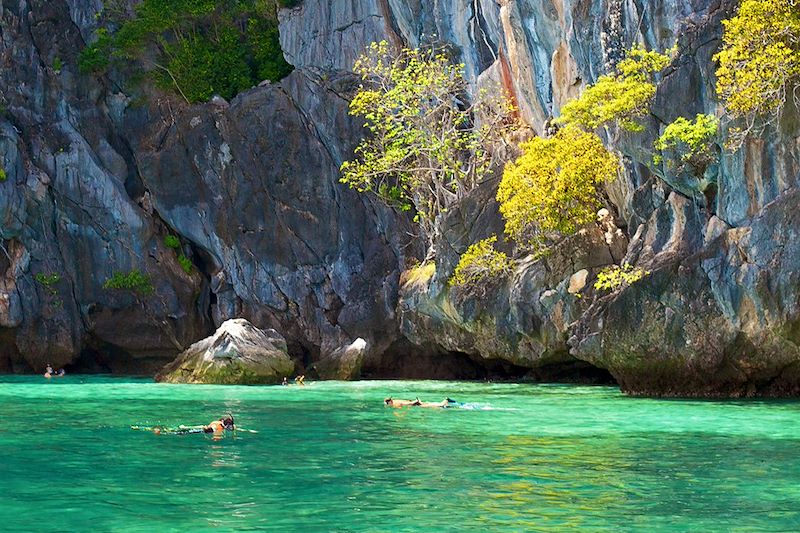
x=98 y=174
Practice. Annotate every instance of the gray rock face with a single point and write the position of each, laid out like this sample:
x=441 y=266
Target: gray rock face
x=238 y=353
x=286 y=245
x=95 y=180
x=522 y=320
x=67 y=212
x=343 y=364
x=724 y=320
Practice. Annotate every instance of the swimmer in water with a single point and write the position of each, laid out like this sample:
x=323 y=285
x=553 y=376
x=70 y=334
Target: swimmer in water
x=391 y=402
x=447 y=402
x=218 y=426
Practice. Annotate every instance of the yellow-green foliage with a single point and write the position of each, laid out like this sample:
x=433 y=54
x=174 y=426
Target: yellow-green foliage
x=3 y=175
x=691 y=139
x=419 y=274
x=480 y=264
x=552 y=186
x=623 y=96
x=615 y=276
x=759 y=63
x=425 y=150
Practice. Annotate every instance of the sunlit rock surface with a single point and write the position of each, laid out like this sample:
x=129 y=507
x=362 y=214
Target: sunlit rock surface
x=238 y=353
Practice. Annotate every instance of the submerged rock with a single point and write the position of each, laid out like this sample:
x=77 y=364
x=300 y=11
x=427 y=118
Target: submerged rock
x=238 y=353
x=344 y=363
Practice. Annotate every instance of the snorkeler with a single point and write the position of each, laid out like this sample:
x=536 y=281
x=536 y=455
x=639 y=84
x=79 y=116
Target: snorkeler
x=447 y=402
x=391 y=402
x=218 y=426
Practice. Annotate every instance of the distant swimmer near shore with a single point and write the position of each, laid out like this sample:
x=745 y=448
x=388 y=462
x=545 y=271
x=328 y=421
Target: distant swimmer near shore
x=447 y=402
x=49 y=373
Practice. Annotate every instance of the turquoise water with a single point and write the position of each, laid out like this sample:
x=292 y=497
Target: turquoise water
x=330 y=457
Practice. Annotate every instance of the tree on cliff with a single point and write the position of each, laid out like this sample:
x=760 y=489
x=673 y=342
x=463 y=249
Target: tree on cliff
x=622 y=97
x=197 y=48
x=552 y=188
x=428 y=143
x=759 y=64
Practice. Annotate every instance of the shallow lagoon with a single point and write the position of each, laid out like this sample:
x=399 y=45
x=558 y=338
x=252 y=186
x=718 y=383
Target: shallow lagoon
x=330 y=457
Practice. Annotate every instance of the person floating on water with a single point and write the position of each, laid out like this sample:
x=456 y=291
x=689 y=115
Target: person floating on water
x=447 y=402
x=391 y=402
x=217 y=427
x=48 y=371
x=285 y=381
x=300 y=380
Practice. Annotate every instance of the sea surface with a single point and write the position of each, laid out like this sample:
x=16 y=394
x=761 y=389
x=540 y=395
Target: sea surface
x=330 y=457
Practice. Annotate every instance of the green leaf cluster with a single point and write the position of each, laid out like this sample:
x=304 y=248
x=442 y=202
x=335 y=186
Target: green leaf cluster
x=480 y=264
x=692 y=140
x=622 y=97
x=95 y=58
x=425 y=148
x=186 y=263
x=552 y=188
x=198 y=48
x=759 y=64
x=133 y=281
x=48 y=281
x=3 y=175
x=615 y=276
x=171 y=241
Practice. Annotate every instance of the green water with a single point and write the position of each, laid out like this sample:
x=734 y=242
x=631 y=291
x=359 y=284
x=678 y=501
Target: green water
x=330 y=457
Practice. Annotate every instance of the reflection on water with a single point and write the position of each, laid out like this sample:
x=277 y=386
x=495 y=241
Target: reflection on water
x=331 y=457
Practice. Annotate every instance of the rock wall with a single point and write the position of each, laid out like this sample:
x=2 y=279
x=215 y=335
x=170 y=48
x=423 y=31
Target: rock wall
x=68 y=209
x=98 y=175
x=99 y=172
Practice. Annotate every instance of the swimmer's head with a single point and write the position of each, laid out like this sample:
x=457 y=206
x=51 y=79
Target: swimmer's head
x=387 y=401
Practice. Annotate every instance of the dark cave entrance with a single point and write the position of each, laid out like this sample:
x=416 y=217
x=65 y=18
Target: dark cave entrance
x=404 y=360
x=104 y=358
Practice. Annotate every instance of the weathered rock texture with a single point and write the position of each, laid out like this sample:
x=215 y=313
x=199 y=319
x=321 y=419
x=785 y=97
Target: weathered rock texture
x=238 y=353
x=344 y=363
x=99 y=173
